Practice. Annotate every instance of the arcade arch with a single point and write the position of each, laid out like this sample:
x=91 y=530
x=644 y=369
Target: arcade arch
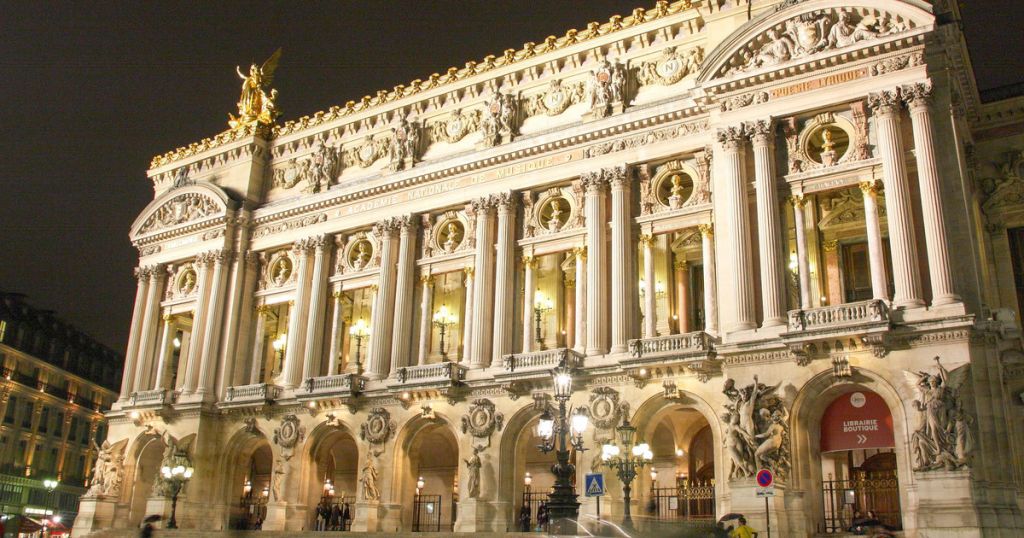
x=249 y=467
x=147 y=455
x=429 y=450
x=332 y=479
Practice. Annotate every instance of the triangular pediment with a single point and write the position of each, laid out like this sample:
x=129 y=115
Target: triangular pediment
x=797 y=32
x=183 y=206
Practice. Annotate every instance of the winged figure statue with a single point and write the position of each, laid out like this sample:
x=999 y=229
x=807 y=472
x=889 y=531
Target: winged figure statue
x=256 y=106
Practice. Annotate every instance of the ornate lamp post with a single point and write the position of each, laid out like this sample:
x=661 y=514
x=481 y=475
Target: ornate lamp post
x=560 y=433
x=359 y=330
x=626 y=461
x=279 y=344
x=176 y=476
x=541 y=305
x=51 y=486
x=443 y=320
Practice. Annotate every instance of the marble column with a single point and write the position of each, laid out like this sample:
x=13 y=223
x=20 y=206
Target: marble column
x=580 y=331
x=918 y=98
x=624 y=285
x=293 y=353
x=834 y=283
x=568 y=302
x=773 y=290
x=199 y=316
x=876 y=254
x=166 y=349
x=707 y=234
x=886 y=108
x=596 y=184
x=529 y=288
x=244 y=338
x=504 y=280
x=334 y=347
x=483 y=290
x=134 y=334
x=426 y=317
x=467 y=316
x=384 y=303
x=235 y=305
x=256 y=363
x=214 y=322
x=313 y=352
x=802 y=261
x=682 y=278
x=650 y=293
x=150 y=326
x=401 y=342
x=736 y=218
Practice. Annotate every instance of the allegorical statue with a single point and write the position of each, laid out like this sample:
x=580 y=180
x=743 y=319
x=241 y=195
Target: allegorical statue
x=108 y=470
x=757 y=430
x=369 y=478
x=473 y=465
x=255 y=106
x=943 y=440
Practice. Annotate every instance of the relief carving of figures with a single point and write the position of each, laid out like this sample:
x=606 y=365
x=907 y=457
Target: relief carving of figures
x=499 y=121
x=367 y=152
x=473 y=465
x=528 y=212
x=671 y=67
x=368 y=477
x=403 y=144
x=701 y=186
x=757 y=429
x=482 y=419
x=378 y=427
x=811 y=33
x=607 y=87
x=319 y=170
x=108 y=472
x=944 y=439
x=179 y=210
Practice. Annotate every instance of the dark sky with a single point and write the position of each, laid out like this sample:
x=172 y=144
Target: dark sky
x=91 y=91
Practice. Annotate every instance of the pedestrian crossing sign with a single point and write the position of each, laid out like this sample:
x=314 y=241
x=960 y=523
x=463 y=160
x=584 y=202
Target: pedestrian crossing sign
x=594 y=485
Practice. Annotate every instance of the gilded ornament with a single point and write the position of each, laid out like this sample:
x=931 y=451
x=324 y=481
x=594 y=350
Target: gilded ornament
x=255 y=106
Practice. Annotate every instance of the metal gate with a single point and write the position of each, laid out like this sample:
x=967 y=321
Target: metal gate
x=426 y=513
x=690 y=500
x=531 y=499
x=842 y=498
x=252 y=513
x=340 y=511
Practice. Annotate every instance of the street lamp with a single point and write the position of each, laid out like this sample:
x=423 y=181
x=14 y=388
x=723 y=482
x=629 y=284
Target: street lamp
x=359 y=330
x=50 y=486
x=560 y=433
x=541 y=306
x=176 y=476
x=528 y=481
x=419 y=485
x=443 y=319
x=626 y=461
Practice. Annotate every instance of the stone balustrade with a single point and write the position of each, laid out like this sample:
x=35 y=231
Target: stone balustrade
x=540 y=360
x=256 y=393
x=841 y=315
x=146 y=398
x=673 y=344
x=334 y=385
x=426 y=374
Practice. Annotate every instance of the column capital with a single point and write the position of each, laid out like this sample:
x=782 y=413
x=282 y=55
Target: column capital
x=504 y=201
x=917 y=96
x=732 y=138
x=386 y=228
x=427 y=279
x=482 y=204
x=263 y=308
x=706 y=230
x=597 y=179
x=469 y=270
x=869 y=187
x=336 y=295
x=166 y=318
x=798 y=200
x=646 y=239
x=681 y=264
x=885 y=102
x=529 y=261
x=580 y=252
x=406 y=224
x=830 y=245
x=761 y=132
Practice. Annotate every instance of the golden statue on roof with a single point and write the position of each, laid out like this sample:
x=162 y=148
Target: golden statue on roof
x=255 y=106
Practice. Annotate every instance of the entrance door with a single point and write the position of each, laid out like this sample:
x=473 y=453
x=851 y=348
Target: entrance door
x=859 y=471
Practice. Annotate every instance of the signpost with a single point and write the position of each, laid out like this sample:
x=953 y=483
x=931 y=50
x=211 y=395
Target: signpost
x=765 y=488
x=593 y=485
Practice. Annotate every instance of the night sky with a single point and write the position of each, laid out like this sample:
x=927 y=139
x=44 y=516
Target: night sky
x=91 y=91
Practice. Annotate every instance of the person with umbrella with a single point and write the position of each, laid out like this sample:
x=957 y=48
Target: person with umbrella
x=147 y=526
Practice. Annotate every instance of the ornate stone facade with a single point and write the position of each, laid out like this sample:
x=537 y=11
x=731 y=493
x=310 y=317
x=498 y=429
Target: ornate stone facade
x=705 y=201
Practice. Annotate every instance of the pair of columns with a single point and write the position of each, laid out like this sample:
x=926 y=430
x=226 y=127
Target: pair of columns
x=682 y=284
x=886 y=107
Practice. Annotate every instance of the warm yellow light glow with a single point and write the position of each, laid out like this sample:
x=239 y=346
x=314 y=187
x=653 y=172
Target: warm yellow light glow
x=280 y=342
x=359 y=328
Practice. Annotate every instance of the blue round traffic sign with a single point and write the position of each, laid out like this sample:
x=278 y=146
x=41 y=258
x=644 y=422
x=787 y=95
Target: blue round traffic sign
x=765 y=478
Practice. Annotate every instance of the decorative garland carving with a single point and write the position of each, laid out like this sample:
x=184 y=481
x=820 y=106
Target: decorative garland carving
x=318 y=170
x=482 y=420
x=187 y=207
x=556 y=99
x=290 y=433
x=605 y=408
x=671 y=67
x=378 y=427
x=455 y=127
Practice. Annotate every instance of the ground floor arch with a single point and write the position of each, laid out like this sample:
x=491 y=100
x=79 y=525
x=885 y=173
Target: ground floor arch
x=331 y=480
x=427 y=490
x=144 y=495
x=250 y=486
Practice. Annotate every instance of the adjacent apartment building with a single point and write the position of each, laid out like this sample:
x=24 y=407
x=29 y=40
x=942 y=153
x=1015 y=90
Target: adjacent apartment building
x=55 y=382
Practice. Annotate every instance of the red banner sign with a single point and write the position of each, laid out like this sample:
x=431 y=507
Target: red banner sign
x=856 y=421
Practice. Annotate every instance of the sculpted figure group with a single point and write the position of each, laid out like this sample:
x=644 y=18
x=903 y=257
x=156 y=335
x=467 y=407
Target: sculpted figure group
x=944 y=439
x=756 y=429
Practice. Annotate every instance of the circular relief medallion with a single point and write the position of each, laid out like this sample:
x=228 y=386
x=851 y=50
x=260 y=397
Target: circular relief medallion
x=454 y=127
x=367 y=153
x=603 y=76
x=554 y=214
x=377 y=427
x=359 y=254
x=827 y=144
x=449 y=235
x=281 y=270
x=669 y=67
x=857 y=399
x=187 y=282
x=554 y=101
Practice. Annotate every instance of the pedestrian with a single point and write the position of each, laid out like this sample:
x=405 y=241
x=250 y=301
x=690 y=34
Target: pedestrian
x=542 y=517
x=743 y=531
x=524 y=518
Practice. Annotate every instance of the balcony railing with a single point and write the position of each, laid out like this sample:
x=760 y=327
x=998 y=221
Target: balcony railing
x=842 y=315
x=536 y=361
x=673 y=344
x=257 y=393
x=144 y=398
x=334 y=385
x=426 y=374
x=35 y=384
